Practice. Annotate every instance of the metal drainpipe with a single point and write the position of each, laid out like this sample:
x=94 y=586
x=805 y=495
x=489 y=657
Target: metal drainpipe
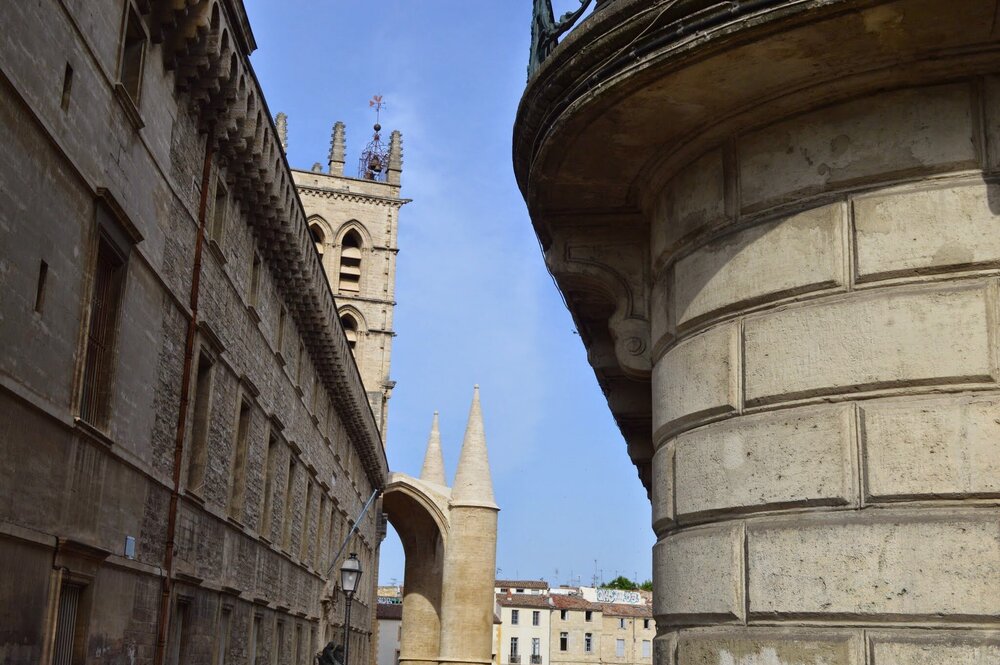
x=168 y=558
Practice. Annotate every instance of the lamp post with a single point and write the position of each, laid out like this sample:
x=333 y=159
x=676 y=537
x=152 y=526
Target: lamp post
x=350 y=575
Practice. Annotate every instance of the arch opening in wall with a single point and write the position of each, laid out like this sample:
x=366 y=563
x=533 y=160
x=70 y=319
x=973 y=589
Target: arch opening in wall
x=349 y=279
x=318 y=237
x=350 y=325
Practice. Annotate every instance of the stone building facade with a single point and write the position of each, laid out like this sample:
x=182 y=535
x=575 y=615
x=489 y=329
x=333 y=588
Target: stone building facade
x=355 y=225
x=776 y=225
x=185 y=438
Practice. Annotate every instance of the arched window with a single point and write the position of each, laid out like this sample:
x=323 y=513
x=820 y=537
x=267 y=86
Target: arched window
x=350 y=329
x=318 y=237
x=350 y=263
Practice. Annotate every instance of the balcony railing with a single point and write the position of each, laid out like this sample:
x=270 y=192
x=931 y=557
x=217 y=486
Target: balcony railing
x=536 y=660
x=515 y=658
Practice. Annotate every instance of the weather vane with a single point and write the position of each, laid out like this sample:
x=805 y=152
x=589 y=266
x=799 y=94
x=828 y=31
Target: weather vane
x=375 y=156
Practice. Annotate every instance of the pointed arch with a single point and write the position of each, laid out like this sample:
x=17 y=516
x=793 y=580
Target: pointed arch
x=354 y=326
x=352 y=245
x=320 y=233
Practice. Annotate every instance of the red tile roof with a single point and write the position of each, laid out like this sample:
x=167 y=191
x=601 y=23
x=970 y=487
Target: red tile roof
x=522 y=584
x=623 y=610
x=565 y=601
x=534 y=601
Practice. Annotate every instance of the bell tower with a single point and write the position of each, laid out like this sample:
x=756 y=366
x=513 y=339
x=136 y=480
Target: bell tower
x=354 y=223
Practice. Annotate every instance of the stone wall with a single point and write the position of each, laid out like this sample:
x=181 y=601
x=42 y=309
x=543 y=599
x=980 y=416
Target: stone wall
x=825 y=387
x=75 y=491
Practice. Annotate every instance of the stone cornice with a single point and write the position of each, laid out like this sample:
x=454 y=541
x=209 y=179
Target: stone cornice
x=354 y=197
x=213 y=75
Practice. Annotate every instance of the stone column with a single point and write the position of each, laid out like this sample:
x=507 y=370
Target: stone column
x=826 y=414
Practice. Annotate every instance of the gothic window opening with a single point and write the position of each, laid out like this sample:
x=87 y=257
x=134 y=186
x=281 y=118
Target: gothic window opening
x=350 y=263
x=350 y=329
x=318 y=237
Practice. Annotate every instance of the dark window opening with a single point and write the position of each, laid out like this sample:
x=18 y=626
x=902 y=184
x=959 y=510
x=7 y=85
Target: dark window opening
x=105 y=302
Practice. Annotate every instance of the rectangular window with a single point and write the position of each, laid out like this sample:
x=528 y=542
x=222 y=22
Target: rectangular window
x=321 y=530
x=536 y=617
x=647 y=649
x=270 y=468
x=620 y=648
x=280 y=643
x=256 y=641
x=515 y=617
x=300 y=361
x=222 y=636
x=588 y=642
x=621 y=624
x=43 y=273
x=133 y=53
x=67 y=87
x=563 y=614
x=588 y=615
x=513 y=648
x=298 y=646
x=105 y=302
x=219 y=211
x=536 y=647
x=282 y=315
x=200 y=420
x=239 y=477
x=254 y=280
x=645 y=624
x=180 y=633
x=286 y=523
x=70 y=630
x=306 y=523
x=563 y=641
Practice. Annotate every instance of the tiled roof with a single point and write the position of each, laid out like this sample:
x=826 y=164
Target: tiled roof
x=623 y=610
x=389 y=611
x=565 y=601
x=533 y=601
x=522 y=584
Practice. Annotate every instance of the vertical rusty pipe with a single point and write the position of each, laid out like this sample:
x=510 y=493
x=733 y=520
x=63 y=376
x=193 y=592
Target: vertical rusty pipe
x=168 y=557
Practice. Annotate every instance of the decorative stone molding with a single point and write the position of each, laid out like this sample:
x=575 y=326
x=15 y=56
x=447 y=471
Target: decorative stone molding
x=213 y=72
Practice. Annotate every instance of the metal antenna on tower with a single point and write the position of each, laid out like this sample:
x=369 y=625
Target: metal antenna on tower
x=375 y=157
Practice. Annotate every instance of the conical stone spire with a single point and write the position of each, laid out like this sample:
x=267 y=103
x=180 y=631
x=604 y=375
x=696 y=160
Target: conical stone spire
x=473 y=484
x=433 y=470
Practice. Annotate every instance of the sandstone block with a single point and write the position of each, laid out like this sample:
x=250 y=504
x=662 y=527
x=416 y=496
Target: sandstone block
x=800 y=253
x=876 y=567
x=698 y=573
x=870 y=341
x=911 y=231
x=943 y=648
x=662 y=491
x=898 y=133
x=734 y=465
x=936 y=447
x=765 y=647
x=694 y=199
x=698 y=377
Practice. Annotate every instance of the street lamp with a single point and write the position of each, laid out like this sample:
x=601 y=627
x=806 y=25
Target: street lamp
x=350 y=575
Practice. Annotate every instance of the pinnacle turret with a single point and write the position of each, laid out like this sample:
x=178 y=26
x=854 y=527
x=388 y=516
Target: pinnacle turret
x=433 y=470
x=473 y=484
x=395 y=158
x=338 y=148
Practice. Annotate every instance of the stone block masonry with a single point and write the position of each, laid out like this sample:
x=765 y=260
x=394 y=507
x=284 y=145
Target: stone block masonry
x=817 y=186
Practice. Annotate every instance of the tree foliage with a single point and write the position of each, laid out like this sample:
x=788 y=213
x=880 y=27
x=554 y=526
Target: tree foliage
x=621 y=582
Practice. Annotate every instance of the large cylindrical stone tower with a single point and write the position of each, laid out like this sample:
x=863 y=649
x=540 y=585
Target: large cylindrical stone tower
x=777 y=225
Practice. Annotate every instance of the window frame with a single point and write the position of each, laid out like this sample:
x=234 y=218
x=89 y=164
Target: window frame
x=129 y=102
x=515 y=617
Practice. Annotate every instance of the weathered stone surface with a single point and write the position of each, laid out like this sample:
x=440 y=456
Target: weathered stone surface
x=765 y=647
x=899 y=133
x=953 y=649
x=870 y=341
x=662 y=492
x=698 y=572
x=693 y=200
x=697 y=377
x=914 y=565
x=800 y=253
x=910 y=231
x=933 y=447
x=789 y=457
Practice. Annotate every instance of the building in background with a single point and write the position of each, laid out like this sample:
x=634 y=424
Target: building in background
x=522 y=586
x=185 y=438
x=574 y=626
x=390 y=629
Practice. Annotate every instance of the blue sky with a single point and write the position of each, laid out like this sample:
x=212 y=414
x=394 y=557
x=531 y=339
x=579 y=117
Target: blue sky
x=475 y=302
